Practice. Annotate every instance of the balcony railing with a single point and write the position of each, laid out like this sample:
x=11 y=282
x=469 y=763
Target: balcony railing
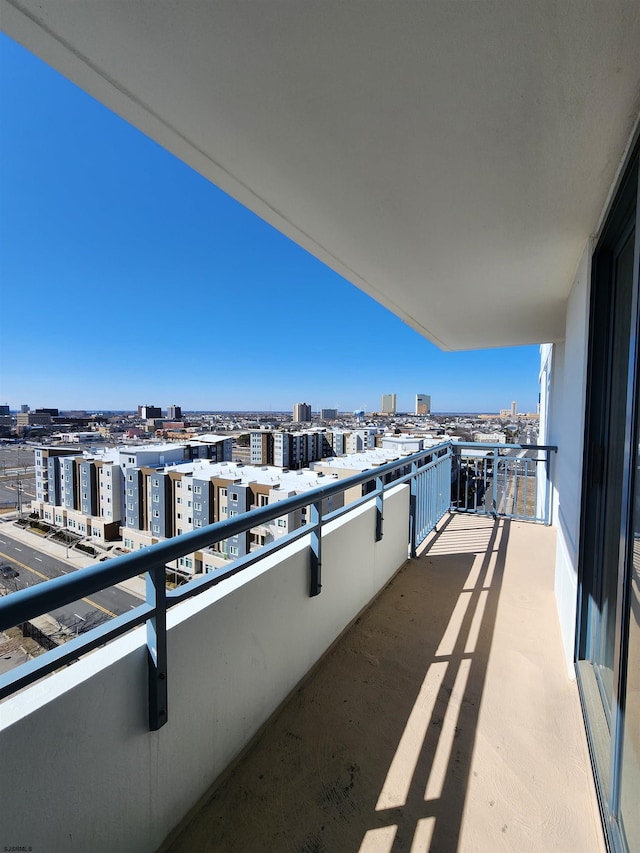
x=446 y=476
x=505 y=480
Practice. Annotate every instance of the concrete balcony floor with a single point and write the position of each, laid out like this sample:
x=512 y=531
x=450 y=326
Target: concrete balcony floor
x=443 y=720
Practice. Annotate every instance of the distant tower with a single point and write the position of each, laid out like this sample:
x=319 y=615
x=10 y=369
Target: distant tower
x=148 y=412
x=423 y=404
x=174 y=413
x=329 y=414
x=514 y=408
x=24 y=408
x=301 y=413
x=388 y=404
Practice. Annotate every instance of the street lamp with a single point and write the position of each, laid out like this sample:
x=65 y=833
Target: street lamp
x=19 y=493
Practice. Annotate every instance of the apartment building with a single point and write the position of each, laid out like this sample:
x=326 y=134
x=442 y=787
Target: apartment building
x=301 y=413
x=339 y=438
x=261 y=445
x=290 y=449
x=215 y=448
x=48 y=459
x=194 y=494
x=358 y=440
x=94 y=494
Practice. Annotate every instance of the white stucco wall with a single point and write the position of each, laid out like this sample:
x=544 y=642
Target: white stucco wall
x=566 y=429
x=82 y=772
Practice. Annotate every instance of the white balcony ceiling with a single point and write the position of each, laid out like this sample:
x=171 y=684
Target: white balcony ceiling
x=449 y=158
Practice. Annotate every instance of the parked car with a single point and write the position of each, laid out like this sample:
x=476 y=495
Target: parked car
x=7 y=571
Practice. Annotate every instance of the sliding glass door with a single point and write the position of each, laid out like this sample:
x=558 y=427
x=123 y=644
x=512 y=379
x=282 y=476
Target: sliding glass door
x=608 y=648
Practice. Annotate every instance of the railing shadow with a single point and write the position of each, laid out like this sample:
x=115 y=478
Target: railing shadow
x=374 y=752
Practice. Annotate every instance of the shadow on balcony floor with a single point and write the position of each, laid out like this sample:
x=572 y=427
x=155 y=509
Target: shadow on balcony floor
x=443 y=720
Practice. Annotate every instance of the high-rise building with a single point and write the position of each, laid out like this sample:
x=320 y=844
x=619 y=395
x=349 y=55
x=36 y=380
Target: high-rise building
x=148 y=412
x=301 y=413
x=24 y=408
x=388 y=404
x=423 y=404
x=4 y=410
x=514 y=408
x=174 y=413
x=329 y=414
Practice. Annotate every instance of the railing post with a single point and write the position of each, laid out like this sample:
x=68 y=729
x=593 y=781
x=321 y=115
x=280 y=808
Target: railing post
x=157 y=647
x=315 y=584
x=496 y=456
x=379 y=507
x=548 y=491
x=413 y=503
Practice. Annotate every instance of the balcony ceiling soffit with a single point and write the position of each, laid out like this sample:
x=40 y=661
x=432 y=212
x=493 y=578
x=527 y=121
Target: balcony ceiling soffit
x=450 y=159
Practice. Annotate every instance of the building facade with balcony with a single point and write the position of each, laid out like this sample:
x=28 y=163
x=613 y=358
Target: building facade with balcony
x=95 y=494
x=192 y=495
x=486 y=192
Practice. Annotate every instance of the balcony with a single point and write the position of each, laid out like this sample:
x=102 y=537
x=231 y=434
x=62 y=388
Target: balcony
x=443 y=719
x=443 y=711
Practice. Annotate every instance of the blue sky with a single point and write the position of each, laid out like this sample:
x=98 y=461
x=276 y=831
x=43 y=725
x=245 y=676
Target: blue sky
x=127 y=278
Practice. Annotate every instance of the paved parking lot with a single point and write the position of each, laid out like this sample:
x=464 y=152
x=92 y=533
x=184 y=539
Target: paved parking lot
x=16 y=456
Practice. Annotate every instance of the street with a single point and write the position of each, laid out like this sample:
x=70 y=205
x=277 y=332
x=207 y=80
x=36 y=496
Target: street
x=34 y=567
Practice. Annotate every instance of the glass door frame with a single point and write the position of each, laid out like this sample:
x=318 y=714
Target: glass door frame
x=624 y=206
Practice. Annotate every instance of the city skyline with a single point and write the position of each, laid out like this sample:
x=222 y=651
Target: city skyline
x=322 y=412
x=126 y=276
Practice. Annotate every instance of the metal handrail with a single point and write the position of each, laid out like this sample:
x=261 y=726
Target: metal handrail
x=498 y=483
x=28 y=603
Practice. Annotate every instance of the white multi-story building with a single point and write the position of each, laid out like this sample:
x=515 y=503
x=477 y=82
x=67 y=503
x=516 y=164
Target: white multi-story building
x=360 y=439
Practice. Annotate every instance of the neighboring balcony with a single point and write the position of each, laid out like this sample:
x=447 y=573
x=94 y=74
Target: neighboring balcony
x=442 y=717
